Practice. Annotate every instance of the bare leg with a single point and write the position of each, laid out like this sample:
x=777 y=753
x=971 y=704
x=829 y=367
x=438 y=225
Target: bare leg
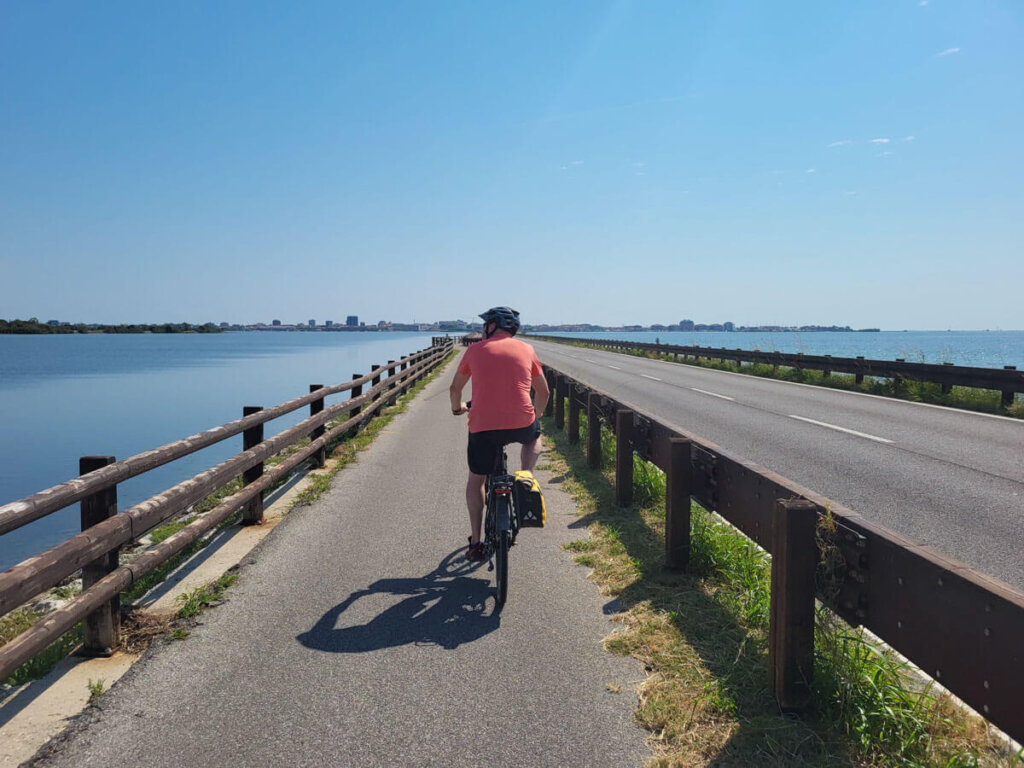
x=475 y=504
x=529 y=454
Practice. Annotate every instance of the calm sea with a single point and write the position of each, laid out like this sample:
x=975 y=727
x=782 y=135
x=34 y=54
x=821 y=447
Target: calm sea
x=988 y=349
x=62 y=397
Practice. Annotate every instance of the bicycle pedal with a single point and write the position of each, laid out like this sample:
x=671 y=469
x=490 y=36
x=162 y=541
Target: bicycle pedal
x=490 y=565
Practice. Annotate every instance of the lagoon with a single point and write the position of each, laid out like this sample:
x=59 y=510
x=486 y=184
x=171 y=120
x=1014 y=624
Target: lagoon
x=987 y=349
x=66 y=396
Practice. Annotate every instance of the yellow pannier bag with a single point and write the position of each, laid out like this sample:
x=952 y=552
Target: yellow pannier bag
x=529 y=500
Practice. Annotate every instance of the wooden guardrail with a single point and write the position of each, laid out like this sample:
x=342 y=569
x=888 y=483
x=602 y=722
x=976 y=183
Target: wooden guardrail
x=963 y=628
x=95 y=551
x=1007 y=380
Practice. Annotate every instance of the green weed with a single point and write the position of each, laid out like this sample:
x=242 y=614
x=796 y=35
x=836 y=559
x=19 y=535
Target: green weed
x=95 y=690
x=198 y=600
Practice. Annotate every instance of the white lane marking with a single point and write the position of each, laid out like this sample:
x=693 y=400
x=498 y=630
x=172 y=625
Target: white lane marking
x=713 y=394
x=841 y=429
x=615 y=367
x=652 y=378
x=587 y=359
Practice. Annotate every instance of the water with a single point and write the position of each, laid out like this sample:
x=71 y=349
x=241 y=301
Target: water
x=66 y=396
x=987 y=349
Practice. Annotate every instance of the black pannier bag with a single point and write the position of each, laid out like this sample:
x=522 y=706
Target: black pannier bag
x=529 y=500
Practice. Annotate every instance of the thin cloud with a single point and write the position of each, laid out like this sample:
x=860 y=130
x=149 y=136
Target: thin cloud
x=947 y=52
x=883 y=154
x=841 y=143
x=851 y=192
x=577 y=162
x=812 y=170
x=879 y=141
x=638 y=164
x=908 y=138
x=922 y=3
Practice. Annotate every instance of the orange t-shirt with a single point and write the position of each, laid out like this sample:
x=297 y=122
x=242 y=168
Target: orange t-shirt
x=502 y=370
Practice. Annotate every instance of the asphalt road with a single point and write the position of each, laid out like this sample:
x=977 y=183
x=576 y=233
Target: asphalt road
x=951 y=479
x=356 y=635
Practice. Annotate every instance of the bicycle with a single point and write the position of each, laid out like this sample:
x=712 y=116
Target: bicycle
x=501 y=523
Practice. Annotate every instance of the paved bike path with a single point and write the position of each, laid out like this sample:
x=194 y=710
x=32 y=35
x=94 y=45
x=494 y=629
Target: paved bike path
x=357 y=636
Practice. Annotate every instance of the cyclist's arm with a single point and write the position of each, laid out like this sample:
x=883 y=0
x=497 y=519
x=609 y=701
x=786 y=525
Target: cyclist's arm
x=541 y=393
x=459 y=382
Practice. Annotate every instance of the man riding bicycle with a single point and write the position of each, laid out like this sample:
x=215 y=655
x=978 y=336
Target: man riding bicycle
x=503 y=370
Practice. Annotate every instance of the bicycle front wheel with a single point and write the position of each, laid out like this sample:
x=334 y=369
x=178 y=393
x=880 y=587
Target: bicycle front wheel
x=501 y=565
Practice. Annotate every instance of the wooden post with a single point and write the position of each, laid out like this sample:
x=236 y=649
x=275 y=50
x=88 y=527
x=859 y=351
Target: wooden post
x=593 y=432
x=357 y=390
x=560 y=401
x=574 y=415
x=252 y=514
x=320 y=457
x=679 y=486
x=828 y=371
x=375 y=380
x=550 y=407
x=623 y=458
x=791 y=630
x=391 y=386
x=101 y=629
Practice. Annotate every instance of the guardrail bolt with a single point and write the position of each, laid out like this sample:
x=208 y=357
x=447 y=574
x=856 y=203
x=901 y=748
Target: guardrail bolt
x=252 y=514
x=101 y=630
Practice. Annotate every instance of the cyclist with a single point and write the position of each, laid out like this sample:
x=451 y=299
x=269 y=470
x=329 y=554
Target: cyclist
x=503 y=370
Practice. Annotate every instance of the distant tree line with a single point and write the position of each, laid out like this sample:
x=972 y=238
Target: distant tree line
x=32 y=325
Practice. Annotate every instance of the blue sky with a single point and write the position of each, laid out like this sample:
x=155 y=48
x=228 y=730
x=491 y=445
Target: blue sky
x=613 y=162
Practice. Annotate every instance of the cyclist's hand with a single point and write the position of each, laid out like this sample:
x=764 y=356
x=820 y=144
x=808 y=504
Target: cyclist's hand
x=463 y=408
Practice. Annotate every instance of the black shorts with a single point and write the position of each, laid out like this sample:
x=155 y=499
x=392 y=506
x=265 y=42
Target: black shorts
x=483 y=447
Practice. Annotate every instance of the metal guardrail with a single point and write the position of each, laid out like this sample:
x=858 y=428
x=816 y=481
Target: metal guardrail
x=963 y=628
x=1007 y=380
x=95 y=551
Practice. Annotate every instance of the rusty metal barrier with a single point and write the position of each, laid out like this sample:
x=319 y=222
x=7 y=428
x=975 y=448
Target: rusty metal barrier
x=94 y=551
x=963 y=628
x=1007 y=380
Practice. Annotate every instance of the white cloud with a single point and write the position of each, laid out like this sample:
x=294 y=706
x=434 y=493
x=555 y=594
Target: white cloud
x=908 y=138
x=638 y=164
x=947 y=52
x=850 y=192
x=883 y=154
x=842 y=143
x=879 y=141
x=922 y=3
x=812 y=170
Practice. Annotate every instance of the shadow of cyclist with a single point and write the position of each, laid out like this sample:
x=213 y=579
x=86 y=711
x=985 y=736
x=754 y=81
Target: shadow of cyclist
x=446 y=607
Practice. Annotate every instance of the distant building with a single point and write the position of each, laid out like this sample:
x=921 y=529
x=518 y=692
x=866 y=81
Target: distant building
x=276 y=323
x=352 y=321
x=729 y=326
x=312 y=323
x=686 y=325
x=328 y=323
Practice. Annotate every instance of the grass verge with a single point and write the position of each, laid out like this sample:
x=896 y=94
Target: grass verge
x=966 y=398
x=702 y=635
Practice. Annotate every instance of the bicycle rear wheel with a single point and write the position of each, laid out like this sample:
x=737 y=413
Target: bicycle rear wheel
x=501 y=565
